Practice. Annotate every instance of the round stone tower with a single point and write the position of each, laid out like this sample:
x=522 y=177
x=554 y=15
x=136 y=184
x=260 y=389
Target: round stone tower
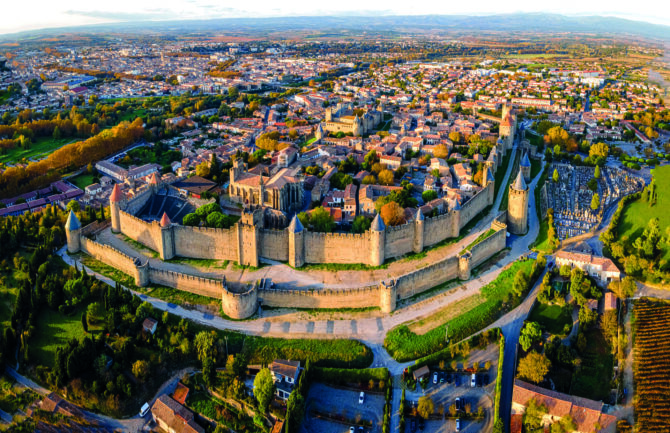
x=296 y=243
x=524 y=166
x=418 y=232
x=388 y=295
x=114 y=208
x=517 y=209
x=73 y=233
x=377 y=241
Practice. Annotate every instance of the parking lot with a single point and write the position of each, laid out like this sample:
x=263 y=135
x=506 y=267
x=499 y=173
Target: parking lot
x=324 y=399
x=449 y=387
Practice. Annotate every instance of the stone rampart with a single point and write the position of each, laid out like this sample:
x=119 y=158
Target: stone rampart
x=110 y=256
x=399 y=240
x=336 y=247
x=440 y=228
x=188 y=283
x=135 y=204
x=274 y=244
x=205 y=243
x=146 y=233
x=490 y=246
x=428 y=277
x=476 y=205
x=322 y=298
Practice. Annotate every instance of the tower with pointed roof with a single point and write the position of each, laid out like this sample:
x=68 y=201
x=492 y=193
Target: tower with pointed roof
x=524 y=166
x=377 y=241
x=517 y=208
x=73 y=233
x=418 y=231
x=115 y=201
x=357 y=127
x=167 y=238
x=296 y=243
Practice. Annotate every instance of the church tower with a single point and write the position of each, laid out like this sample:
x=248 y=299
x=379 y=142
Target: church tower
x=517 y=211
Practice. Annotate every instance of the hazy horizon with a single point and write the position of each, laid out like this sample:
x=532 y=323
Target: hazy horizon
x=37 y=15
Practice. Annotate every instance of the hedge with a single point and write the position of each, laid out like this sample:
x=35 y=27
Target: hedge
x=501 y=356
x=344 y=376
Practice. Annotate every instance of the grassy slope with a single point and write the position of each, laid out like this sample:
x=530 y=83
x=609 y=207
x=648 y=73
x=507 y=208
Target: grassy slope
x=54 y=329
x=638 y=213
x=405 y=345
x=542 y=242
x=40 y=148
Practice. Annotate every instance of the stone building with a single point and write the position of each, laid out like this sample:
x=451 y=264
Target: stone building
x=343 y=119
x=524 y=166
x=281 y=191
x=517 y=209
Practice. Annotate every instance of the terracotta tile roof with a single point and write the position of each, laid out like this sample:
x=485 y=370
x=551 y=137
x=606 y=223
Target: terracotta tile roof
x=180 y=393
x=176 y=416
x=603 y=262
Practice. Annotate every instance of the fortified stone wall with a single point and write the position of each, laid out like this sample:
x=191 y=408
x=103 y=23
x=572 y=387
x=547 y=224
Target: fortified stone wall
x=476 y=204
x=110 y=256
x=274 y=245
x=426 y=278
x=206 y=243
x=399 y=240
x=336 y=247
x=136 y=203
x=324 y=298
x=146 y=233
x=187 y=283
x=439 y=228
x=490 y=246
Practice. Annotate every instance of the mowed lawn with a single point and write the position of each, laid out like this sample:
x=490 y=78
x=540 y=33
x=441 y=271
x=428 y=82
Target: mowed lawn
x=542 y=241
x=54 y=329
x=41 y=148
x=552 y=318
x=82 y=180
x=637 y=214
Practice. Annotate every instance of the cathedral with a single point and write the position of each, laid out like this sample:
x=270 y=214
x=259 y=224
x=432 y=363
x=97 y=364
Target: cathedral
x=343 y=119
x=281 y=191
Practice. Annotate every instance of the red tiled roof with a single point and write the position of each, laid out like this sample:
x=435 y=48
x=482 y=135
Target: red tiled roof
x=117 y=195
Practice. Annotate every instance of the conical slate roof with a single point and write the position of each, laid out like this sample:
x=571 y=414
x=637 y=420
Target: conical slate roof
x=524 y=161
x=165 y=220
x=296 y=225
x=378 y=224
x=419 y=215
x=72 y=222
x=519 y=183
x=117 y=195
x=489 y=175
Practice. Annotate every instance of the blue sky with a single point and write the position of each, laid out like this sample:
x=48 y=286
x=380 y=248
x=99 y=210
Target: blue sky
x=35 y=14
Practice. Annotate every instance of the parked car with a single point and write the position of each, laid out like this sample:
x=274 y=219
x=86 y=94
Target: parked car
x=352 y=429
x=434 y=378
x=450 y=378
x=361 y=397
x=458 y=424
x=457 y=403
x=144 y=410
x=457 y=379
x=473 y=380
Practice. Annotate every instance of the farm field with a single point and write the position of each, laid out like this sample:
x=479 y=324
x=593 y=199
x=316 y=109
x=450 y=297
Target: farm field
x=651 y=369
x=39 y=149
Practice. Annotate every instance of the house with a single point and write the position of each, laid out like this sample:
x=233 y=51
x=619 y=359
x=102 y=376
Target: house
x=600 y=268
x=285 y=375
x=610 y=301
x=195 y=186
x=586 y=414
x=180 y=393
x=422 y=372
x=149 y=325
x=173 y=417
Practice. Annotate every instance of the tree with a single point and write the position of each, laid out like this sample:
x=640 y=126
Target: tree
x=140 y=369
x=191 y=219
x=530 y=334
x=596 y=173
x=370 y=179
x=555 y=176
x=73 y=205
x=455 y=136
x=595 y=201
x=521 y=282
x=202 y=169
x=441 y=151
x=623 y=289
x=204 y=345
x=392 y=214
x=264 y=389
x=386 y=177
x=361 y=224
x=426 y=407
x=534 y=367
x=599 y=150
x=428 y=195
x=320 y=220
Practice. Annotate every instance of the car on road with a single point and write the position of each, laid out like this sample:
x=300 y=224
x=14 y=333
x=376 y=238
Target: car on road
x=473 y=380
x=458 y=424
x=352 y=429
x=434 y=378
x=144 y=410
x=361 y=397
x=457 y=403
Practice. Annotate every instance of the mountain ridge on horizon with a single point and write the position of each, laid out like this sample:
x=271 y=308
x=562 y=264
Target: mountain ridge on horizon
x=539 y=22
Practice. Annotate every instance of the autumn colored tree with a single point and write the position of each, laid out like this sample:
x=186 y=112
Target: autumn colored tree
x=534 y=367
x=392 y=214
x=386 y=177
x=441 y=151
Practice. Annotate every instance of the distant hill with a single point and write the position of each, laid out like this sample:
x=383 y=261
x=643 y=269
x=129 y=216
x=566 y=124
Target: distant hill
x=520 y=22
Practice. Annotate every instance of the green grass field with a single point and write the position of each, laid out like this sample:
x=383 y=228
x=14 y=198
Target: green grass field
x=542 y=242
x=39 y=149
x=82 y=180
x=535 y=167
x=637 y=214
x=53 y=330
x=552 y=318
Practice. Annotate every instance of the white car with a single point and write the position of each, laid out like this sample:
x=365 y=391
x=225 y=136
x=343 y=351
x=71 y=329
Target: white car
x=144 y=410
x=361 y=397
x=473 y=380
x=434 y=378
x=352 y=429
x=458 y=424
